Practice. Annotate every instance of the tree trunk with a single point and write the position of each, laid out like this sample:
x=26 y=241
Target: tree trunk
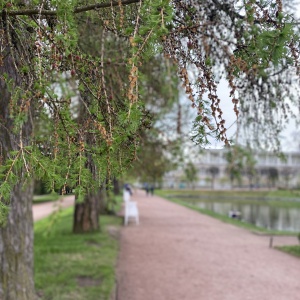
x=86 y=215
x=16 y=237
x=16 y=248
x=116 y=185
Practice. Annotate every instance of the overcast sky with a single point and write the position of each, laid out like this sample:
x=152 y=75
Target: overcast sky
x=289 y=138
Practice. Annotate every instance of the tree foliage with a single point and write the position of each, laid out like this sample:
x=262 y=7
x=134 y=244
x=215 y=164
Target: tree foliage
x=213 y=171
x=191 y=172
x=99 y=118
x=71 y=117
x=240 y=160
x=157 y=143
x=272 y=175
x=250 y=44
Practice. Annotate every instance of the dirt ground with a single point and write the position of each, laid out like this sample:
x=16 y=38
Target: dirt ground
x=178 y=254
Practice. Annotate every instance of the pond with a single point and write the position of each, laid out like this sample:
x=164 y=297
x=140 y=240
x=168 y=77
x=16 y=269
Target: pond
x=264 y=215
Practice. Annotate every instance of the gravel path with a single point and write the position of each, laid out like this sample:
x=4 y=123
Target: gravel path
x=42 y=210
x=178 y=254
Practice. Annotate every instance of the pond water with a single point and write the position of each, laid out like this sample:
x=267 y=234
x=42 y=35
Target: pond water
x=262 y=215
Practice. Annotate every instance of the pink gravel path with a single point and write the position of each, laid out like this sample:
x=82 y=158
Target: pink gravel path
x=42 y=210
x=178 y=254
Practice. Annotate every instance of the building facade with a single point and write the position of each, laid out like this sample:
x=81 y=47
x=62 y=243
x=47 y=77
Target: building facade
x=213 y=172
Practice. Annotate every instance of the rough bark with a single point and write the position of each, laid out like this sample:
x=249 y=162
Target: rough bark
x=86 y=216
x=102 y=200
x=16 y=248
x=116 y=185
x=86 y=213
x=16 y=237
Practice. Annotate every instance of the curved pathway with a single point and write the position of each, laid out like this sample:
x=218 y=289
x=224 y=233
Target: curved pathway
x=178 y=254
x=42 y=210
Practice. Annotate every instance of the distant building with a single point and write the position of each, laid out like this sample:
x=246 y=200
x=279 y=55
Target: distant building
x=270 y=172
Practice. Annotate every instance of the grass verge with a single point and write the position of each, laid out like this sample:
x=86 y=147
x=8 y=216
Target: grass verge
x=275 y=198
x=293 y=250
x=45 y=198
x=238 y=193
x=77 y=267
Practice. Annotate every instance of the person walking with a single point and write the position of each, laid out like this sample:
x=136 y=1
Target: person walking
x=151 y=189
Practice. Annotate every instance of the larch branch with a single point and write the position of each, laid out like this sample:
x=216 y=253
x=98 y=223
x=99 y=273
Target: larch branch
x=31 y=12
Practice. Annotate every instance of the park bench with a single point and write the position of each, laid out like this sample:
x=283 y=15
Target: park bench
x=131 y=209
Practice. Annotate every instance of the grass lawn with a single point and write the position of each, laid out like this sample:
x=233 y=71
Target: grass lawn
x=254 y=193
x=294 y=250
x=69 y=266
x=264 y=195
x=45 y=198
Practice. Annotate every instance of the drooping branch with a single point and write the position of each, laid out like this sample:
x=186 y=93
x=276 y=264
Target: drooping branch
x=31 y=12
x=227 y=9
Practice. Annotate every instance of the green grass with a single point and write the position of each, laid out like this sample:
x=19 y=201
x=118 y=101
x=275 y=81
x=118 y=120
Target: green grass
x=45 y=198
x=116 y=203
x=287 y=194
x=69 y=266
x=283 y=199
x=293 y=250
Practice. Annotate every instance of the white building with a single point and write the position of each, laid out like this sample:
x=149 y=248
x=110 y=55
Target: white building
x=212 y=172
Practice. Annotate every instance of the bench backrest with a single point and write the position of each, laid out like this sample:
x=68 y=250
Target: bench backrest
x=126 y=196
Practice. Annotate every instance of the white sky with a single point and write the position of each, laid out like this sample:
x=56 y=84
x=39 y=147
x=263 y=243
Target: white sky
x=288 y=136
x=290 y=140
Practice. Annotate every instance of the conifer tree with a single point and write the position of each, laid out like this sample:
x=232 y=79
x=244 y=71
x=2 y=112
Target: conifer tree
x=254 y=43
x=39 y=50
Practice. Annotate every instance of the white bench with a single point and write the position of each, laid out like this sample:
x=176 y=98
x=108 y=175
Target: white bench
x=131 y=209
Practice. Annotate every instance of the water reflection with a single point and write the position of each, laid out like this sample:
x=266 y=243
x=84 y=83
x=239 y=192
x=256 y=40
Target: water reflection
x=275 y=218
